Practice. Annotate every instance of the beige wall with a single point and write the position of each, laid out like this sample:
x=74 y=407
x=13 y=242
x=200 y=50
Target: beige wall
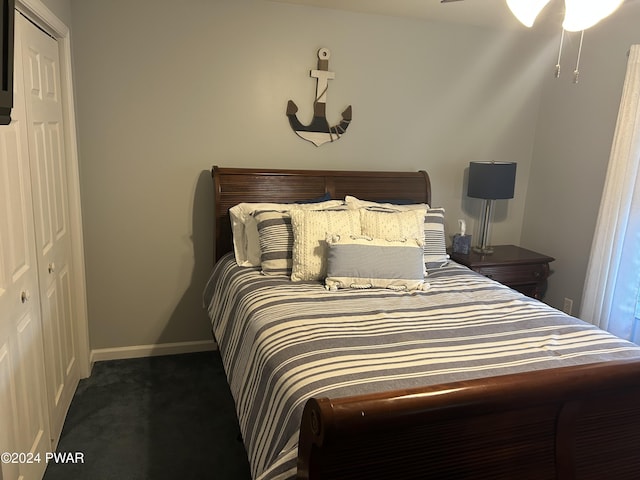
x=571 y=153
x=61 y=8
x=166 y=89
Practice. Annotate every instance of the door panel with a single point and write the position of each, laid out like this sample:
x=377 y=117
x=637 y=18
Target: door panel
x=8 y=429
x=53 y=243
x=32 y=417
x=15 y=209
x=51 y=331
x=41 y=189
x=24 y=425
x=58 y=181
x=67 y=338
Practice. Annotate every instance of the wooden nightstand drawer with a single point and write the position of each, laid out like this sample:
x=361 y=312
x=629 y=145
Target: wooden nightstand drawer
x=516 y=274
x=521 y=269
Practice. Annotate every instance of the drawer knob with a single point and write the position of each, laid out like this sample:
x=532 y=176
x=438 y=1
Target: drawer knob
x=52 y=267
x=25 y=296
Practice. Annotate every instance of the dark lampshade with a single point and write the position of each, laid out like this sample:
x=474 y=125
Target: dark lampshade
x=491 y=180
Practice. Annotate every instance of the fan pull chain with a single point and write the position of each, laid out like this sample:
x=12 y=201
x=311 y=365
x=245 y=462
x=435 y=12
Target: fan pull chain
x=559 y=54
x=576 y=72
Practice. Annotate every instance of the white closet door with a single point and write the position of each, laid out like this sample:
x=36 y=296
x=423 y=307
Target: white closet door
x=49 y=184
x=24 y=420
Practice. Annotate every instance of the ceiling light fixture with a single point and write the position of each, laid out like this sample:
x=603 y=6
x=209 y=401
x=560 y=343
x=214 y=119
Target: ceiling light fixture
x=526 y=11
x=579 y=15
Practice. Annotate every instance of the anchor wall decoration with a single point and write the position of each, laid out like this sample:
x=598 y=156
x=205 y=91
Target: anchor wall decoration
x=319 y=131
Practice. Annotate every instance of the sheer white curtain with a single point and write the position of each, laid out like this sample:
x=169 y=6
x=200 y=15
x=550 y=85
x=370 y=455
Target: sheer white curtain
x=611 y=293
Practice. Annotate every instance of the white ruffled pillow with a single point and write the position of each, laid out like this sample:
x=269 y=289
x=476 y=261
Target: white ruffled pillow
x=393 y=225
x=355 y=203
x=365 y=262
x=310 y=230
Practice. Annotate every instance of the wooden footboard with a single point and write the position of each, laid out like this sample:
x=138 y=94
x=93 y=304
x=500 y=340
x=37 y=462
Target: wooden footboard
x=568 y=423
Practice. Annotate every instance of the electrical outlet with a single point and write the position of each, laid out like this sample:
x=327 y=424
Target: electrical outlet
x=568 y=306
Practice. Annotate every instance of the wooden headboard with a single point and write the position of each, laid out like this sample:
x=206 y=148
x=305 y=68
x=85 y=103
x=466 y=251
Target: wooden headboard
x=236 y=185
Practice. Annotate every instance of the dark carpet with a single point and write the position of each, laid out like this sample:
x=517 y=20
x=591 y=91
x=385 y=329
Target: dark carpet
x=154 y=418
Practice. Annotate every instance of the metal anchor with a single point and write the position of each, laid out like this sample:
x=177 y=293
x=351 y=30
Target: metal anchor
x=319 y=131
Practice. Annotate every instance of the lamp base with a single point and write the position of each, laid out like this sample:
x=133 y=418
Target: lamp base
x=483 y=250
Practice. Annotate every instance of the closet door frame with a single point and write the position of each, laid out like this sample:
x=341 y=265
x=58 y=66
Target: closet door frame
x=40 y=15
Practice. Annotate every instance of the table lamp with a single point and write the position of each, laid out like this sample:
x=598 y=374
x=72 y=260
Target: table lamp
x=490 y=181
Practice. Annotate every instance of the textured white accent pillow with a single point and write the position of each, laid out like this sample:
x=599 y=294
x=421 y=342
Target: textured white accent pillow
x=355 y=203
x=365 y=262
x=246 y=243
x=393 y=225
x=310 y=229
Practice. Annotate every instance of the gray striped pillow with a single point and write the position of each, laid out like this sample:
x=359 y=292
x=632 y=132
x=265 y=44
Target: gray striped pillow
x=435 y=250
x=275 y=236
x=365 y=262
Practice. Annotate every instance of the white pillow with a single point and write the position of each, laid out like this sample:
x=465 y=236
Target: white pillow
x=246 y=243
x=365 y=262
x=355 y=203
x=310 y=230
x=393 y=225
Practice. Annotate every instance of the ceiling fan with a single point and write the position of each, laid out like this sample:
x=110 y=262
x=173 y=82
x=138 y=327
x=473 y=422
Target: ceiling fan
x=579 y=14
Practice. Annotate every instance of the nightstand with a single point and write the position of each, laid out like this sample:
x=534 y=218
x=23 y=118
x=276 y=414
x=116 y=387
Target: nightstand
x=521 y=269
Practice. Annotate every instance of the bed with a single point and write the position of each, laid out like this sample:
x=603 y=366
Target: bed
x=463 y=378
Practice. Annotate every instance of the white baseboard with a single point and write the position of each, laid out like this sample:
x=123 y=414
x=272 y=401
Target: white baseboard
x=138 y=351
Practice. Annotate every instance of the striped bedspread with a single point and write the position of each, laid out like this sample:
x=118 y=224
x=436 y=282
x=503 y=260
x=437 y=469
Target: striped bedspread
x=283 y=342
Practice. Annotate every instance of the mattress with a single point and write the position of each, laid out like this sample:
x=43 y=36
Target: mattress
x=283 y=342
